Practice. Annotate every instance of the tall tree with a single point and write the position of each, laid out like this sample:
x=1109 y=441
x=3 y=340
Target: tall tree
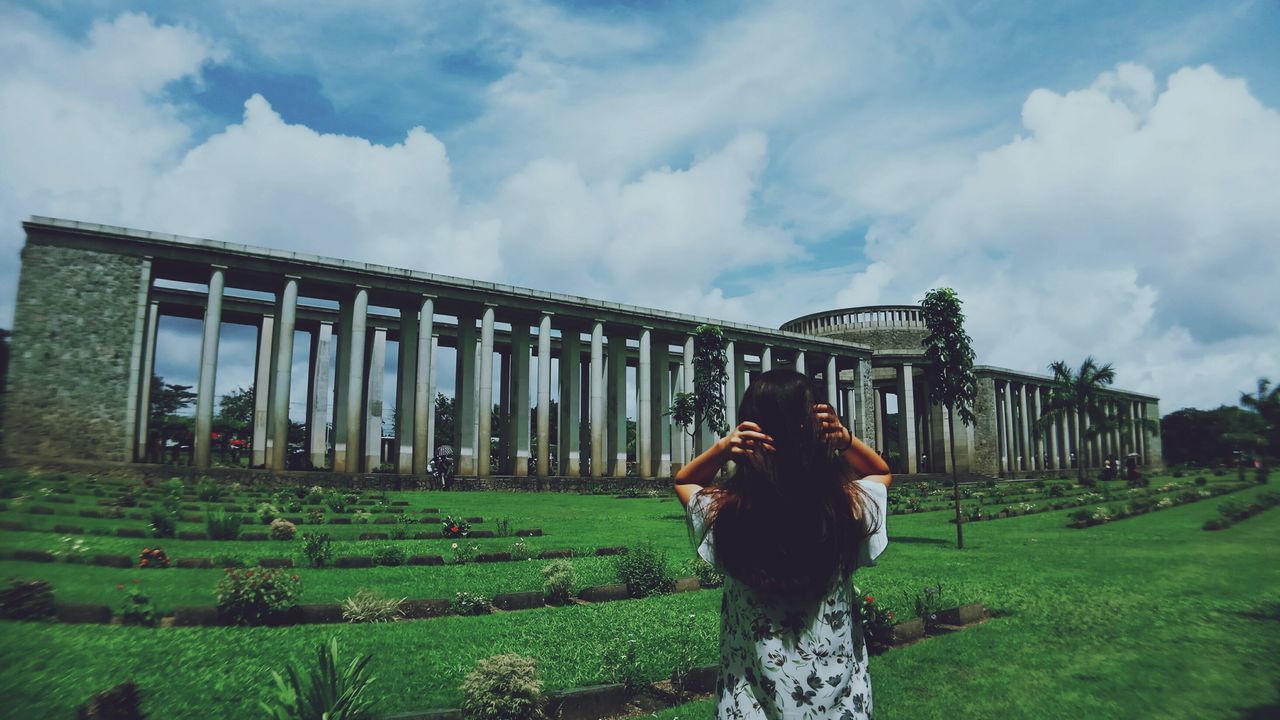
x=1266 y=403
x=949 y=352
x=445 y=414
x=1078 y=394
x=235 y=410
x=705 y=406
x=167 y=398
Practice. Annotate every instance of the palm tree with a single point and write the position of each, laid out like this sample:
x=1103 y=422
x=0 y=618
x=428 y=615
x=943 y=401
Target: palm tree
x=1266 y=403
x=1078 y=394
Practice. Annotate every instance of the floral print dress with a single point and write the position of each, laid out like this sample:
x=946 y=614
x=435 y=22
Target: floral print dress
x=792 y=661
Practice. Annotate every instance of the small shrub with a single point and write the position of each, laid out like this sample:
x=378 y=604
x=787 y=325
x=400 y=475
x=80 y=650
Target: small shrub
x=336 y=501
x=362 y=517
x=1233 y=511
x=136 y=607
x=267 y=512
x=622 y=664
x=331 y=692
x=389 y=555
x=707 y=574
x=370 y=605
x=164 y=523
x=1269 y=499
x=503 y=687
x=128 y=498
x=928 y=603
x=26 y=600
x=317 y=548
x=227 y=561
x=464 y=553
x=877 y=623
x=520 y=550
x=221 y=526
x=1201 y=480
x=255 y=595
x=208 y=490
x=153 y=558
x=558 y=580
x=470 y=604
x=644 y=570
x=1214 y=524
x=1219 y=472
x=315 y=495
x=71 y=549
x=1057 y=490
x=282 y=529
x=452 y=528
x=504 y=527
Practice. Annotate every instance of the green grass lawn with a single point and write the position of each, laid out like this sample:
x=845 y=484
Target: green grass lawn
x=1147 y=617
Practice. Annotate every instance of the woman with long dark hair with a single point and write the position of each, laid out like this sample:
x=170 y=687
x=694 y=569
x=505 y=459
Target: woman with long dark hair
x=804 y=508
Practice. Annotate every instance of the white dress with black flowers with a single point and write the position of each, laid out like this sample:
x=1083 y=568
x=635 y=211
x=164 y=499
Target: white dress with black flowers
x=789 y=661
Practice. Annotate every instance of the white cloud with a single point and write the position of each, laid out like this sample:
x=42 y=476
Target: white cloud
x=1135 y=226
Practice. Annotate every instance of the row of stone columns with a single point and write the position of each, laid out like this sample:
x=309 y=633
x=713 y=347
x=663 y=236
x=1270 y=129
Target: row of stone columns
x=356 y=388
x=1024 y=446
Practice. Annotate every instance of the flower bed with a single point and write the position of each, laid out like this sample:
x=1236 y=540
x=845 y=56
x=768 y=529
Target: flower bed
x=1234 y=511
x=1104 y=514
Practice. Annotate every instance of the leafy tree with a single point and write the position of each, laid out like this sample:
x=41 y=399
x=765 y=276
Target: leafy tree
x=949 y=370
x=709 y=377
x=446 y=412
x=1266 y=404
x=167 y=399
x=235 y=410
x=1078 y=394
x=1209 y=437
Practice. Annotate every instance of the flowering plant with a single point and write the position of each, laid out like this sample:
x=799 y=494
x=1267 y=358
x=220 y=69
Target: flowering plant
x=450 y=527
x=928 y=604
x=153 y=558
x=463 y=554
x=255 y=595
x=135 y=605
x=71 y=549
x=877 y=624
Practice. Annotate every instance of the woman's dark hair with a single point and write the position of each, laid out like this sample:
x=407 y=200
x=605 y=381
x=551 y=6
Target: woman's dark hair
x=792 y=521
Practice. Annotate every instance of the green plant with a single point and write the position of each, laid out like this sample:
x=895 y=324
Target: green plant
x=927 y=604
x=317 y=548
x=315 y=516
x=644 y=570
x=558 y=579
x=282 y=529
x=451 y=528
x=336 y=501
x=153 y=558
x=464 y=603
x=520 y=550
x=136 y=607
x=504 y=526
x=877 y=623
x=503 y=687
x=1233 y=511
x=370 y=605
x=707 y=574
x=267 y=512
x=208 y=490
x=315 y=495
x=389 y=555
x=622 y=664
x=26 y=600
x=331 y=692
x=164 y=523
x=227 y=561
x=464 y=553
x=686 y=630
x=71 y=549
x=362 y=517
x=256 y=595
x=1200 y=480
x=222 y=526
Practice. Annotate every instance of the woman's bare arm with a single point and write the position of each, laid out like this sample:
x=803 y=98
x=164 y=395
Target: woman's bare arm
x=864 y=460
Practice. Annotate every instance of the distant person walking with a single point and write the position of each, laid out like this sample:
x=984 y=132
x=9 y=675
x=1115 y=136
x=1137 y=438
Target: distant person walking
x=804 y=509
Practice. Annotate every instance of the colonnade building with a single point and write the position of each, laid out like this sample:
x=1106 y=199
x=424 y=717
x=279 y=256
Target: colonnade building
x=90 y=299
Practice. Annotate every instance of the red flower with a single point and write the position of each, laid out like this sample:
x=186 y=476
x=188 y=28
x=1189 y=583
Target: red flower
x=870 y=599
x=249 y=573
x=890 y=616
x=453 y=528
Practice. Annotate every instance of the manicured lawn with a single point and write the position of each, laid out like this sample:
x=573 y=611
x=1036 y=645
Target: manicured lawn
x=1148 y=617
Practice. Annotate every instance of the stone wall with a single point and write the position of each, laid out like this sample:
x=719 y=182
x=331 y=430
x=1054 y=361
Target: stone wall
x=72 y=375
x=884 y=338
x=986 y=453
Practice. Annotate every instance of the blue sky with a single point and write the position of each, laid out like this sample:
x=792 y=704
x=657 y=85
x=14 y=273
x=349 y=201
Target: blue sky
x=1087 y=175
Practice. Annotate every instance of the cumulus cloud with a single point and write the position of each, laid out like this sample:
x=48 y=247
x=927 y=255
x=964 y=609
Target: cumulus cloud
x=1132 y=223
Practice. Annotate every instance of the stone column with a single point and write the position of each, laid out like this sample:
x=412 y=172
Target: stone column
x=644 y=404
x=1011 y=456
x=907 y=418
x=373 y=400
x=690 y=449
x=406 y=408
x=680 y=436
x=485 y=384
x=570 y=401
x=262 y=391
x=616 y=366
x=544 y=395
x=208 y=366
x=833 y=383
x=464 y=383
x=766 y=359
x=282 y=371
x=142 y=442
x=732 y=391
x=740 y=382
x=321 y=390
x=660 y=422
x=1055 y=462
x=139 y=378
x=424 y=401
x=518 y=397
x=880 y=439
x=800 y=366
x=599 y=434
x=429 y=448
x=350 y=410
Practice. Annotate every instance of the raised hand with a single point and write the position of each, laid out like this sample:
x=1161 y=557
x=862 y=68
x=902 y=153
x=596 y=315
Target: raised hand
x=833 y=431
x=747 y=440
